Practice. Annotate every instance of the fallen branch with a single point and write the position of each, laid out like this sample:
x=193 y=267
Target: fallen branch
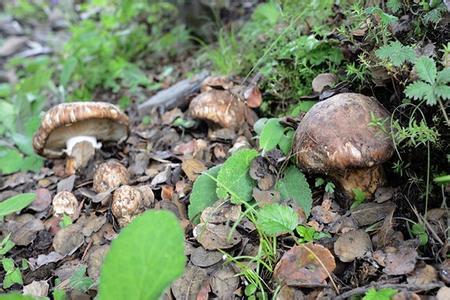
x=175 y=95
x=406 y=286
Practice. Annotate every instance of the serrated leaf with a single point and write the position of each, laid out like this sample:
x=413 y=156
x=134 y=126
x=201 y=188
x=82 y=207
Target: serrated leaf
x=277 y=219
x=426 y=69
x=396 y=53
x=285 y=142
x=394 y=5
x=270 y=134
x=420 y=90
x=444 y=76
x=233 y=179
x=443 y=91
x=145 y=258
x=294 y=186
x=203 y=193
x=16 y=203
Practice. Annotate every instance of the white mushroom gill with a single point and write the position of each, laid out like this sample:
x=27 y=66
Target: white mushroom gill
x=81 y=138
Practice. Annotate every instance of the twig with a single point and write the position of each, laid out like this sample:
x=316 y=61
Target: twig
x=407 y=286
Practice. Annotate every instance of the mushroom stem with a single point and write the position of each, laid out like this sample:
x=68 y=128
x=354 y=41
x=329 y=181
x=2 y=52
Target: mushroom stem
x=365 y=179
x=80 y=150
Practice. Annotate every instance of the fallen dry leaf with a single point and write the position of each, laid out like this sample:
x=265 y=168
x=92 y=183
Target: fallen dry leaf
x=221 y=212
x=224 y=282
x=324 y=213
x=43 y=259
x=253 y=97
x=188 y=286
x=289 y=293
x=24 y=229
x=204 y=258
x=42 y=201
x=422 y=275
x=36 y=289
x=371 y=212
x=304 y=264
x=213 y=237
x=68 y=240
x=398 y=260
x=95 y=260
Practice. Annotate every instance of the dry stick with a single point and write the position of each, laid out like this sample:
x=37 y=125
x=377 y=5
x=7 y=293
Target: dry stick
x=407 y=286
x=441 y=105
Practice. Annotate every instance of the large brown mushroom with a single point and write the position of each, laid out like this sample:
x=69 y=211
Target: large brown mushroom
x=75 y=129
x=335 y=138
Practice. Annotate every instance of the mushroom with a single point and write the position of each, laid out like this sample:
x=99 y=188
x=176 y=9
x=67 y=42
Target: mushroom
x=220 y=107
x=65 y=203
x=74 y=129
x=321 y=81
x=126 y=204
x=335 y=138
x=110 y=175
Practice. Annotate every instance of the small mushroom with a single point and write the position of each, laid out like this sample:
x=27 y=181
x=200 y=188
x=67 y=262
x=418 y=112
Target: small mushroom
x=321 y=81
x=219 y=107
x=126 y=204
x=335 y=138
x=75 y=129
x=110 y=175
x=65 y=203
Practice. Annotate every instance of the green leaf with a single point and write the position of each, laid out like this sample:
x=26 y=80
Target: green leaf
x=442 y=179
x=394 y=5
x=233 y=178
x=396 y=53
x=420 y=90
x=16 y=203
x=68 y=68
x=6 y=245
x=12 y=275
x=79 y=281
x=444 y=76
x=203 y=193
x=144 y=259
x=285 y=142
x=303 y=106
x=294 y=186
x=10 y=161
x=426 y=69
x=277 y=219
x=381 y=294
x=259 y=125
x=271 y=134
x=443 y=91
x=14 y=296
x=7 y=115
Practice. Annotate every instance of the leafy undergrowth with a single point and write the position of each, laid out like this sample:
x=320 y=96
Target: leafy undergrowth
x=229 y=213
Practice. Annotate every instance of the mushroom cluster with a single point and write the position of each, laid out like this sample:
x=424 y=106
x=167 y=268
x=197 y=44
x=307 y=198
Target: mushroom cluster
x=335 y=138
x=75 y=129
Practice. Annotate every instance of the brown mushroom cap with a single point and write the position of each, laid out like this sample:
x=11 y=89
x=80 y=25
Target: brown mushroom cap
x=102 y=120
x=219 y=107
x=323 y=80
x=126 y=204
x=335 y=135
x=109 y=175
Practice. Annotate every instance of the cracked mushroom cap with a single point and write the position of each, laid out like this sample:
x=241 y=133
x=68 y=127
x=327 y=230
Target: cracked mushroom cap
x=109 y=175
x=65 y=203
x=126 y=204
x=102 y=120
x=335 y=135
x=219 y=107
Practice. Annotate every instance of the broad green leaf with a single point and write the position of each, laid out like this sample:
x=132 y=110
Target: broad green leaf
x=259 y=125
x=303 y=106
x=145 y=258
x=294 y=186
x=32 y=163
x=277 y=219
x=233 y=178
x=442 y=179
x=16 y=203
x=79 y=281
x=69 y=66
x=285 y=142
x=270 y=135
x=10 y=161
x=203 y=193
x=7 y=115
x=426 y=69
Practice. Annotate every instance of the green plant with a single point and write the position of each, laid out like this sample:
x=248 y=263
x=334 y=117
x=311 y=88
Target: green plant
x=5 y=245
x=432 y=85
x=272 y=134
x=16 y=203
x=13 y=275
x=420 y=232
x=276 y=219
x=396 y=53
x=329 y=186
x=294 y=186
x=65 y=221
x=381 y=294
x=79 y=281
x=358 y=199
x=149 y=250
x=308 y=234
